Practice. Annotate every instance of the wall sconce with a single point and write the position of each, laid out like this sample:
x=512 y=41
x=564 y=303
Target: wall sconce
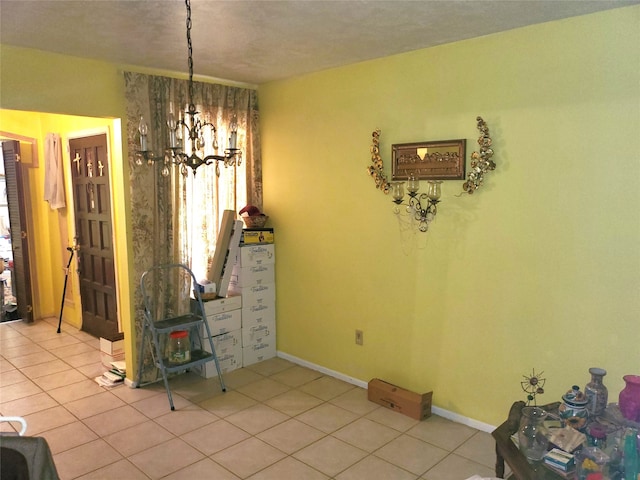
x=422 y=207
x=442 y=160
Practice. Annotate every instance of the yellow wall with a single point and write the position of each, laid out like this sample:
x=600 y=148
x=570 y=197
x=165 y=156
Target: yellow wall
x=71 y=89
x=539 y=269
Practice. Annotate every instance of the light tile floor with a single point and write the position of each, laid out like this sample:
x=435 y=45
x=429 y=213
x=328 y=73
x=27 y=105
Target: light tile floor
x=277 y=421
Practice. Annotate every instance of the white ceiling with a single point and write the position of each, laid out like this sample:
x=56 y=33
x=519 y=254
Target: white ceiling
x=256 y=41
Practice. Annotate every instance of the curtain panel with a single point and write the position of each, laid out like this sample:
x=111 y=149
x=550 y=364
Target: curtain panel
x=175 y=219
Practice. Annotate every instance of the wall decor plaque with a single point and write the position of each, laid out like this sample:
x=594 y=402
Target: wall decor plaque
x=438 y=160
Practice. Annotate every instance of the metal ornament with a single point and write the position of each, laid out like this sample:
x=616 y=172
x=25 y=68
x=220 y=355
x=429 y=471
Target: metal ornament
x=481 y=162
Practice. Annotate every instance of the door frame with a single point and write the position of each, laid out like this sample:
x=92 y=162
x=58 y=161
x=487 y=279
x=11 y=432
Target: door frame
x=72 y=217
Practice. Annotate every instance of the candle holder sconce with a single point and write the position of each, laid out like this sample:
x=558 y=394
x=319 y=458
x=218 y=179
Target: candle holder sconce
x=433 y=162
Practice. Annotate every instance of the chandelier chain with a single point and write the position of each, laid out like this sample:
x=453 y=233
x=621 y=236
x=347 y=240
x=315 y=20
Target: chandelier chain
x=190 y=50
x=189 y=129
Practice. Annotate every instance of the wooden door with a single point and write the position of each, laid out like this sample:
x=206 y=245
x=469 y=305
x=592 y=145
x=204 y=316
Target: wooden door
x=21 y=274
x=94 y=234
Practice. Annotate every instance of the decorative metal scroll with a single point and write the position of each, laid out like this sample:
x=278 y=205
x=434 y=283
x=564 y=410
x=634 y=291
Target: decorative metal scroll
x=377 y=169
x=481 y=161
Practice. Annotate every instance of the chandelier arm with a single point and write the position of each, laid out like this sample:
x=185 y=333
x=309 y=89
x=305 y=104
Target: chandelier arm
x=218 y=158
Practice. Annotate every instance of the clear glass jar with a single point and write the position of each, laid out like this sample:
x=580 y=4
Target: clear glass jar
x=179 y=348
x=596 y=393
x=532 y=434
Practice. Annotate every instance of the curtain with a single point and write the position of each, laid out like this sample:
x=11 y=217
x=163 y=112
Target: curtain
x=175 y=219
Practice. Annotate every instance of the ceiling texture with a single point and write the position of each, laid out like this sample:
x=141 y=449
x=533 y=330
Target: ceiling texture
x=258 y=41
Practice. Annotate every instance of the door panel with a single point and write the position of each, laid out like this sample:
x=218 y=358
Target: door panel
x=21 y=274
x=92 y=206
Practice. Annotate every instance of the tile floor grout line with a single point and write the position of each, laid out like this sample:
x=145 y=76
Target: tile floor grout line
x=297 y=382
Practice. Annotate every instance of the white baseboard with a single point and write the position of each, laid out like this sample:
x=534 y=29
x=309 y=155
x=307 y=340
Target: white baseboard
x=326 y=371
x=441 y=412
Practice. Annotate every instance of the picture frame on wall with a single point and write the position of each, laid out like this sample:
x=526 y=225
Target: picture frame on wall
x=437 y=160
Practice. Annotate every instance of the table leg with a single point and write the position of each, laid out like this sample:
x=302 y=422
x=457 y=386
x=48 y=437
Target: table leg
x=499 y=464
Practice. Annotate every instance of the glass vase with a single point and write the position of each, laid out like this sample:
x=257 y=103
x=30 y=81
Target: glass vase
x=532 y=434
x=629 y=400
x=596 y=392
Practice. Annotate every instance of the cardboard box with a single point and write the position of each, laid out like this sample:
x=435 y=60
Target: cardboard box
x=225 y=343
x=223 y=322
x=207 y=288
x=411 y=404
x=255 y=275
x=229 y=260
x=258 y=333
x=219 y=305
x=260 y=313
x=223 y=244
x=228 y=363
x=259 y=351
x=252 y=255
x=228 y=350
x=112 y=346
x=256 y=236
x=257 y=294
x=559 y=459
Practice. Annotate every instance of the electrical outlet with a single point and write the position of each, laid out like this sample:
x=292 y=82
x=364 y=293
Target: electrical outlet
x=359 y=337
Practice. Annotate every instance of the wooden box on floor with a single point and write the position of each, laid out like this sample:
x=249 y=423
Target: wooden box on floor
x=414 y=405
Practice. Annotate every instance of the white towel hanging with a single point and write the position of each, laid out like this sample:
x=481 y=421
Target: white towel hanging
x=53 y=175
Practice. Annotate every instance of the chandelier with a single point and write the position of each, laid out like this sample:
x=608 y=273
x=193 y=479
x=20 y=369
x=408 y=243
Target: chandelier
x=421 y=207
x=189 y=131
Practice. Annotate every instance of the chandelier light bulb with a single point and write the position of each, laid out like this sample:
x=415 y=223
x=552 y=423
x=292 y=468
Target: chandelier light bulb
x=233 y=136
x=172 y=124
x=142 y=126
x=179 y=129
x=144 y=130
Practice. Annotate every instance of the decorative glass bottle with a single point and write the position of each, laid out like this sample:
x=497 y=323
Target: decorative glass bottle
x=596 y=392
x=532 y=434
x=629 y=400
